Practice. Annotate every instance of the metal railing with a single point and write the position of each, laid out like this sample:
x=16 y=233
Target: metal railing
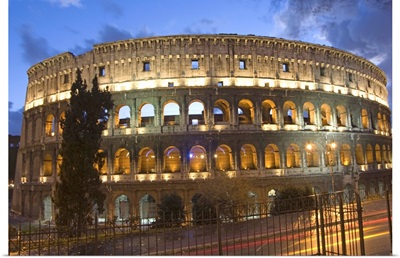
x=322 y=224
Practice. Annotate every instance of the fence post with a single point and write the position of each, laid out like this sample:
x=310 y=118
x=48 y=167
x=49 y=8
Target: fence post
x=219 y=230
x=342 y=228
x=317 y=224
x=389 y=219
x=95 y=233
x=360 y=224
x=321 y=213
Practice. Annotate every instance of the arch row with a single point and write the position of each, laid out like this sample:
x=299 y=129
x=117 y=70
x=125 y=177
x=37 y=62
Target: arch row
x=165 y=163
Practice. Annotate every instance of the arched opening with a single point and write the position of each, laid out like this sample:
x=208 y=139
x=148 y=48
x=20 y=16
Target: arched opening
x=380 y=123
x=309 y=114
x=171 y=113
x=253 y=207
x=248 y=157
x=341 y=116
x=47 y=165
x=122 y=116
x=196 y=113
x=62 y=118
x=364 y=119
x=223 y=158
x=385 y=154
x=269 y=112
x=289 y=113
x=146 y=115
x=221 y=112
x=47 y=208
x=172 y=160
x=293 y=158
x=247 y=114
x=312 y=155
x=326 y=115
x=59 y=162
x=359 y=155
x=370 y=154
x=147 y=161
x=378 y=155
x=330 y=156
x=272 y=157
x=50 y=126
x=121 y=211
x=345 y=155
x=148 y=209
x=101 y=162
x=197 y=159
x=122 y=164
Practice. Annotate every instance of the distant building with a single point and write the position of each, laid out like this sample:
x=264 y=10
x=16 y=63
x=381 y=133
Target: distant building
x=190 y=108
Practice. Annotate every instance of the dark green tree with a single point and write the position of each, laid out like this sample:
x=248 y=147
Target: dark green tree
x=77 y=195
x=293 y=199
x=171 y=210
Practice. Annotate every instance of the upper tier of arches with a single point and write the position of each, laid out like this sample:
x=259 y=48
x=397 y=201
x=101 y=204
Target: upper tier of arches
x=208 y=60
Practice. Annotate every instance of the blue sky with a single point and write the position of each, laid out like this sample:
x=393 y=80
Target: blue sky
x=39 y=29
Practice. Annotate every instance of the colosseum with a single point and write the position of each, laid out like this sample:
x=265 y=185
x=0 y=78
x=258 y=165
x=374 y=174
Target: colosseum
x=190 y=108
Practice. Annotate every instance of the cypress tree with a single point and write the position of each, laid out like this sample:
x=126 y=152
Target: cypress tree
x=78 y=193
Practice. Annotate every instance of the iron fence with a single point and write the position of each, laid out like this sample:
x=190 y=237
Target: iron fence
x=322 y=224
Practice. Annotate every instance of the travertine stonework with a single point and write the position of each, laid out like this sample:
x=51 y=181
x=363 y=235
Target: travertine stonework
x=190 y=108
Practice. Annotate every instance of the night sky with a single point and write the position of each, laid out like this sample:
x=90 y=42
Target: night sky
x=39 y=29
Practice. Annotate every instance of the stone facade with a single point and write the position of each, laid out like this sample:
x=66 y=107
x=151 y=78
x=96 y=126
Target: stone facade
x=190 y=108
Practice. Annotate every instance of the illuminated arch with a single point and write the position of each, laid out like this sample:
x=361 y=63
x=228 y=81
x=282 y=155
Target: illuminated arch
x=359 y=155
x=289 y=113
x=378 y=155
x=380 y=123
x=293 y=157
x=312 y=155
x=370 y=154
x=47 y=165
x=172 y=160
x=59 y=162
x=326 y=115
x=345 y=155
x=272 y=157
x=341 y=116
x=223 y=158
x=248 y=157
x=147 y=161
x=269 y=112
x=197 y=159
x=122 y=164
x=50 y=126
x=247 y=114
x=62 y=118
x=102 y=161
x=364 y=119
x=309 y=113
x=221 y=111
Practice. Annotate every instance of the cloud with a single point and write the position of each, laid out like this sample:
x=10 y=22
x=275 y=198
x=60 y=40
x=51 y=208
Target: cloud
x=112 y=8
x=66 y=3
x=34 y=48
x=202 y=26
x=14 y=120
x=362 y=27
x=111 y=33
